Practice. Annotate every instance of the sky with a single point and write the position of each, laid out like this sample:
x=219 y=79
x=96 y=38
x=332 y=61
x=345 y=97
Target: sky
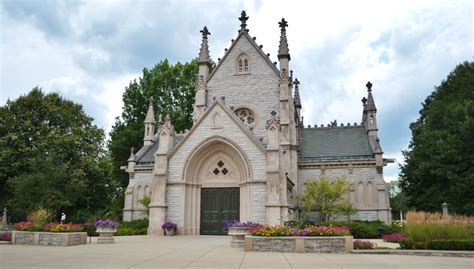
x=89 y=51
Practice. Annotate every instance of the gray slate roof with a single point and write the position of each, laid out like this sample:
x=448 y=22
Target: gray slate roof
x=148 y=152
x=334 y=143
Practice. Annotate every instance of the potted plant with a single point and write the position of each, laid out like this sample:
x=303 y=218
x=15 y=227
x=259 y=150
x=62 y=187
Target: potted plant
x=169 y=227
x=238 y=230
x=106 y=229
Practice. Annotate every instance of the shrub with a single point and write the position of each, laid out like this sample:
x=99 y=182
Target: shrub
x=420 y=245
x=407 y=243
x=134 y=227
x=393 y=238
x=90 y=229
x=358 y=244
x=40 y=217
x=451 y=244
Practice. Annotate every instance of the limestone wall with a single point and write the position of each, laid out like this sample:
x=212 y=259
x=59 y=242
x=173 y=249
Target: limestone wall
x=261 y=83
x=368 y=195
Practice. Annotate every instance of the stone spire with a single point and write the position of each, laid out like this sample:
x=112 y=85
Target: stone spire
x=150 y=114
x=243 y=20
x=150 y=123
x=283 y=50
x=370 y=106
x=132 y=155
x=204 y=52
x=297 y=93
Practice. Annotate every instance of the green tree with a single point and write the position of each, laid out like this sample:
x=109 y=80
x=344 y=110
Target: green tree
x=398 y=199
x=439 y=163
x=172 y=87
x=51 y=156
x=326 y=197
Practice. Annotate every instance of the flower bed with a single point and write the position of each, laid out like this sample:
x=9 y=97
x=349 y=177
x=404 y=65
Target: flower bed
x=319 y=239
x=310 y=230
x=393 y=238
x=301 y=244
x=49 y=238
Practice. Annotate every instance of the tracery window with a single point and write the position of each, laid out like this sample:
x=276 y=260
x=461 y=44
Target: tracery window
x=243 y=64
x=220 y=169
x=247 y=116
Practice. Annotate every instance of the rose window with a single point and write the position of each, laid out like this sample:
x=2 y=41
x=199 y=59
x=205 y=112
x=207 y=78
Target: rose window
x=247 y=116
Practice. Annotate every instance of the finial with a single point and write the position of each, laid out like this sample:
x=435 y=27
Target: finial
x=132 y=149
x=151 y=100
x=243 y=19
x=283 y=50
x=283 y=24
x=369 y=86
x=364 y=101
x=205 y=32
x=297 y=82
x=204 y=52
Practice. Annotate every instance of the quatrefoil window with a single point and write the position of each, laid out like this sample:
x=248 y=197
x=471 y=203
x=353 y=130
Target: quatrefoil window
x=247 y=116
x=220 y=169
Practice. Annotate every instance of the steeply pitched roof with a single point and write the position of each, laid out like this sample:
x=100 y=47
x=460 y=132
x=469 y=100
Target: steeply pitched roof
x=349 y=142
x=146 y=155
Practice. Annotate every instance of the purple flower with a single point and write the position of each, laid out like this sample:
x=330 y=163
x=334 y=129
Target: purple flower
x=236 y=223
x=169 y=225
x=105 y=223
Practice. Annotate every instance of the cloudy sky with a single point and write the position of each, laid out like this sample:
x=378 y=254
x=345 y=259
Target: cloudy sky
x=90 y=50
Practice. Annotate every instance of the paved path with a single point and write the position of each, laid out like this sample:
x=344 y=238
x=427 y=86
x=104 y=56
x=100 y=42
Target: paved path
x=200 y=252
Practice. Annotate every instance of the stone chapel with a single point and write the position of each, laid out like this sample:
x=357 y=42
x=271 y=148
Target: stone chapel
x=248 y=152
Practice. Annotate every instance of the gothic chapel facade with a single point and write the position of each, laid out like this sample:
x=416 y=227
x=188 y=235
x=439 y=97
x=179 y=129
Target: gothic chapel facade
x=248 y=151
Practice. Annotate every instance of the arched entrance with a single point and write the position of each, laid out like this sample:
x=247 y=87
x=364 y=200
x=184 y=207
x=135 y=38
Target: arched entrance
x=215 y=174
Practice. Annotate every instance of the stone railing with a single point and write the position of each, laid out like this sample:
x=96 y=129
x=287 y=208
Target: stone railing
x=301 y=244
x=48 y=239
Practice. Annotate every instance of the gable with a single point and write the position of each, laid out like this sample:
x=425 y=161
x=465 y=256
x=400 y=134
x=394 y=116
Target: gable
x=256 y=89
x=218 y=122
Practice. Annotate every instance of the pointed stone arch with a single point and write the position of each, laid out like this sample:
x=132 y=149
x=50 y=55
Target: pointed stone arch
x=360 y=194
x=215 y=163
x=370 y=194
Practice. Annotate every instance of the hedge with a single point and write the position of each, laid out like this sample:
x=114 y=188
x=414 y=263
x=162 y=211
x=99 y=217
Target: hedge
x=446 y=244
x=134 y=227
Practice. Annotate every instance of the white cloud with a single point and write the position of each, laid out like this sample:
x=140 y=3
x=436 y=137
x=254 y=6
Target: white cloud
x=404 y=47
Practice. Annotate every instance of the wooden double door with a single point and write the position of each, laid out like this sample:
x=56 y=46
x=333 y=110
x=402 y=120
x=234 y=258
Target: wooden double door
x=217 y=206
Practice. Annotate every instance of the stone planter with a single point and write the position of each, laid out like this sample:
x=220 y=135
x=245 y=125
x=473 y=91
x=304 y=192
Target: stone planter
x=170 y=232
x=301 y=244
x=237 y=236
x=106 y=235
x=48 y=238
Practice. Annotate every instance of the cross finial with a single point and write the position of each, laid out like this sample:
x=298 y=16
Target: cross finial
x=205 y=32
x=243 y=19
x=283 y=24
x=364 y=100
x=297 y=82
x=369 y=86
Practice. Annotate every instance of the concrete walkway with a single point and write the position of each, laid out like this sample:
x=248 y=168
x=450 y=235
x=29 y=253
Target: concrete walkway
x=200 y=252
